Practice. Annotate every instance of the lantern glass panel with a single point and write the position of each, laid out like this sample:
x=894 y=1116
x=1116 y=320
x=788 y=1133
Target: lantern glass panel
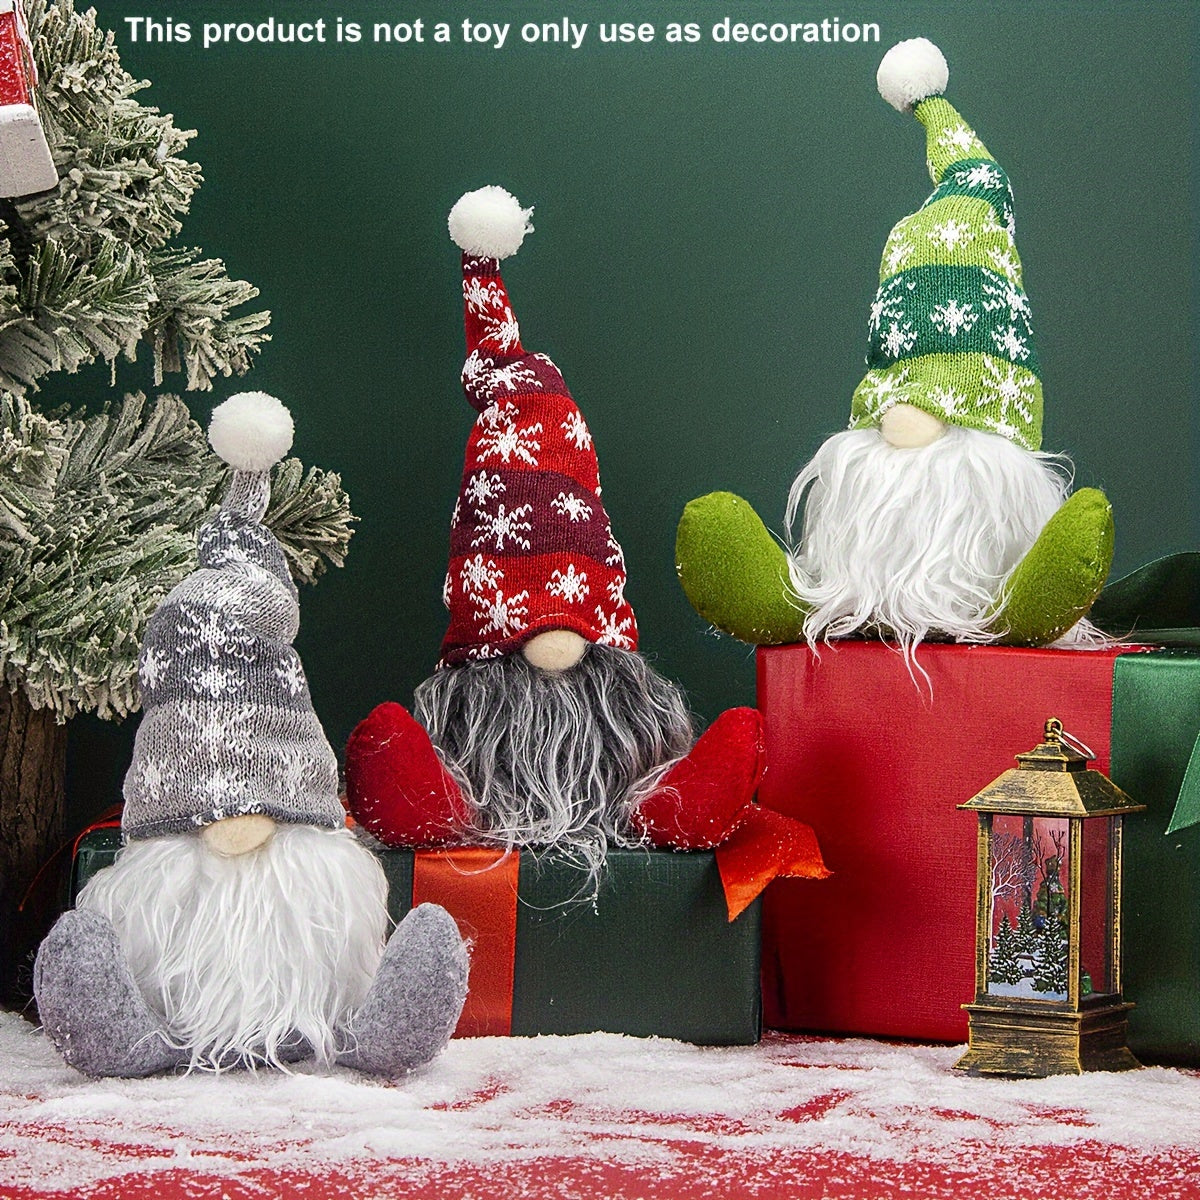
x=1030 y=875
x=1095 y=939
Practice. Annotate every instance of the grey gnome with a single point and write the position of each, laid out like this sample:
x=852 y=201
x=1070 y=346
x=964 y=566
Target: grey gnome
x=242 y=923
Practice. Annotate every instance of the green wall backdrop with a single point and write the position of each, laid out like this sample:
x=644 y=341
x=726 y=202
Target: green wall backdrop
x=709 y=221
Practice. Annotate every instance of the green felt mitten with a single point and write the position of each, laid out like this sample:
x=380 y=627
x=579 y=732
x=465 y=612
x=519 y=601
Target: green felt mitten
x=1057 y=581
x=734 y=572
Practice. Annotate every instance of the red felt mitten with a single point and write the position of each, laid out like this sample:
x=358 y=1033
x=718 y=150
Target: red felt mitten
x=699 y=801
x=397 y=786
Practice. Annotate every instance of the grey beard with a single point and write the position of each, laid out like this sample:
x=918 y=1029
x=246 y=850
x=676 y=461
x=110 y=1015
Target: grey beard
x=552 y=759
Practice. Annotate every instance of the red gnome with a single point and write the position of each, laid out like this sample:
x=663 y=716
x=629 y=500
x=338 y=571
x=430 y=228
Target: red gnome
x=542 y=726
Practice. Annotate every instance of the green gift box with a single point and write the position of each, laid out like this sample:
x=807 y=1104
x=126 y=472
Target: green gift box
x=1156 y=717
x=652 y=954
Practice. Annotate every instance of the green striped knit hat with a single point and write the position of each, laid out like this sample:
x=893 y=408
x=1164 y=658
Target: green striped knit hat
x=949 y=329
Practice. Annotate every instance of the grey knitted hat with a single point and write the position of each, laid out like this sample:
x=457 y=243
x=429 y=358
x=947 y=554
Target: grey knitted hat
x=228 y=725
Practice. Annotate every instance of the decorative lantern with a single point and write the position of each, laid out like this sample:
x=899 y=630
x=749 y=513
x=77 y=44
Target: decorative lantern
x=1048 y=921
x=25 y=162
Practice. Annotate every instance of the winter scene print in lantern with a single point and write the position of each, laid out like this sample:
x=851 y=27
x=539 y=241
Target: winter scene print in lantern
x=1048 y=922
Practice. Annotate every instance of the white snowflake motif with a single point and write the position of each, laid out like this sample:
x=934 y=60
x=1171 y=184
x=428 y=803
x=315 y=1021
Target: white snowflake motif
x=477 y=574
x=899 y=338
x=155 y=781
x=502 y=331
x=502 y=614
x=612 y=631
x=503 y=525
x=951 y=234
x=215 y=680
x=616 y=590
x=497 y=414
x=456 y=515
x=209 y=629
x=571 y=585
x=511 y=442
x=1003 y=293
x=887 y=304
x=480 y=295
x=572 y=506
x=1006 y=263
x=616 y=556
x=153 y=666
x=896 y=253
x=1010 y=221
x=1010 y=343
x=948 y=400
x=511 y=377
x=959 y=137
x=482 y=487
x=291 y=676
x=1013 y=392
x=952 y=317
x=880 y=391
x=980 y=175
x=575 y=427
x=474 y=368
x=447 y=590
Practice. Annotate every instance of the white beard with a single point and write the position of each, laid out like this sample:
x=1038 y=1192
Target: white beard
x=254 y=959
x=905 y=543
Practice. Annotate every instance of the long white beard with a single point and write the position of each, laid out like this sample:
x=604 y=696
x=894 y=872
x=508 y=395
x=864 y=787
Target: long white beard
x=251 y=959
x=905 y=543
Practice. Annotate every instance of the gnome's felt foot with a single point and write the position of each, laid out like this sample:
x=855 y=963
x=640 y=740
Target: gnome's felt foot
x=734 y=572
x=90 y=1006
x=1058 y=580
x=416 y=999
x=397 y=786
x=702 y=797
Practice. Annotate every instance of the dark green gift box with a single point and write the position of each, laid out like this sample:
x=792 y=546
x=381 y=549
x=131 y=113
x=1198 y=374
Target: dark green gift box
x=654 y=954
x=1156 y=718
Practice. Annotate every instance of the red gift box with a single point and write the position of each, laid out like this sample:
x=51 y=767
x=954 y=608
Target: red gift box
x=876 y=760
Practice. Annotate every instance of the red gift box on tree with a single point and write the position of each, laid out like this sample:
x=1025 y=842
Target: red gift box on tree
x=876 y=759
x=25 y=162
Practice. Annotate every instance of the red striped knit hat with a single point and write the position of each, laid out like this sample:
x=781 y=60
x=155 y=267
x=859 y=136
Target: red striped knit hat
x=531 y=548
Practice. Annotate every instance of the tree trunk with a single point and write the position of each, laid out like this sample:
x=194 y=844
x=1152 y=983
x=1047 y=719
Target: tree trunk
x=33 y=767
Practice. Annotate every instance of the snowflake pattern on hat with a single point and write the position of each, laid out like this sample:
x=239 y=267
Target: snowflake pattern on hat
x=531 y=547
x=950 y=329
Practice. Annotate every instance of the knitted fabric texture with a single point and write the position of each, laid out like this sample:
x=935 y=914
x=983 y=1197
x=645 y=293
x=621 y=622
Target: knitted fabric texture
x=531 y=547
x=949 y=330
x=228 y=725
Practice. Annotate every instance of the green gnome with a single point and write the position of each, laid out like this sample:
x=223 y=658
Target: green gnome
x=935 y=515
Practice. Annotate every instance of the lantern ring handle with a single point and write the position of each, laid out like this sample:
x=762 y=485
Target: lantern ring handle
x=1056 y=733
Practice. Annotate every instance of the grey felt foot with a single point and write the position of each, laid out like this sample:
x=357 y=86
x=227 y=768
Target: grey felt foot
x=415 y=1001
x=90 y=1006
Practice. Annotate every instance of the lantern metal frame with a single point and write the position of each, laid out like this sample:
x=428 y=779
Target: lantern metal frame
x=1018 y=1035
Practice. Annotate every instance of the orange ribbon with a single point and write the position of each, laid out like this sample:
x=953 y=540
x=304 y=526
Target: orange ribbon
x=485 y=908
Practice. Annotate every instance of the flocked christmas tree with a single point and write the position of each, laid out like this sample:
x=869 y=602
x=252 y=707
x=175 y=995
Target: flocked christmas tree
x=1005 y=967
x=98 y=510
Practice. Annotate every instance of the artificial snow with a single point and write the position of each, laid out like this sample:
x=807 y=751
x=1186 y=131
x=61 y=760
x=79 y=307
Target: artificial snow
x=493 y=1102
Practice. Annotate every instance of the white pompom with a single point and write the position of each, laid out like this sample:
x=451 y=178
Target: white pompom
x=251 y=431
x=489 y=223
x=912 y=71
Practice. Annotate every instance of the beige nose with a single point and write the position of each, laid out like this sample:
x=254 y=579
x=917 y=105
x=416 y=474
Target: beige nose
x=906 y=427
x=554 y=650
x=238 y=835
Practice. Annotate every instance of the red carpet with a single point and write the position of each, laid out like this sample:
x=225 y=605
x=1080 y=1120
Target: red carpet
x=601 y=1116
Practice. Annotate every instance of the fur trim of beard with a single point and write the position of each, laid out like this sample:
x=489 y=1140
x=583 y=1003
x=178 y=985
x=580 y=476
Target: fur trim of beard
x=254 y=960
x=556 y=760
x=905 y=543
